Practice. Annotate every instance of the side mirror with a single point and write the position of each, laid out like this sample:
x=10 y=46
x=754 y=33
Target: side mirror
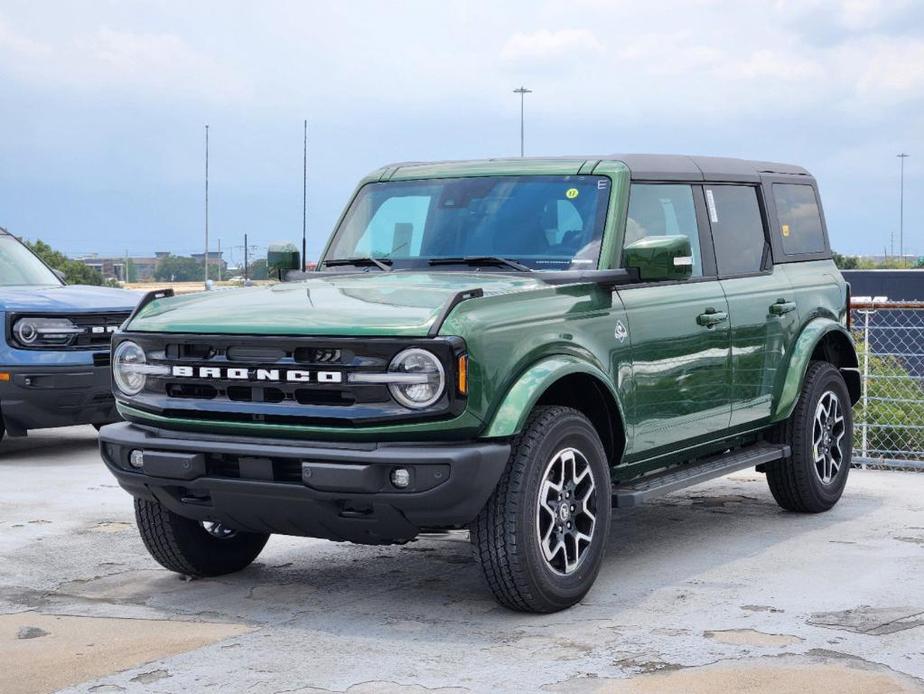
x=281 y=258
x=659 y=258
x=60 y=275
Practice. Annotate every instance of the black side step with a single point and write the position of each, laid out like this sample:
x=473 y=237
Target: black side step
x=637 y=492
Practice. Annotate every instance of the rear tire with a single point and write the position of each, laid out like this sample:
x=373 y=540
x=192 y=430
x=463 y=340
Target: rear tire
x=185 y=546
x=541 y=536
x=820 y=434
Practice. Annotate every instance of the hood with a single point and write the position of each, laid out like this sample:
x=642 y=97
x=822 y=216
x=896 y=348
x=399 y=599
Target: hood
x=368 y=303
x=72 y=298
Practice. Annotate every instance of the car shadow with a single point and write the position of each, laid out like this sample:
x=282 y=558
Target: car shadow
x=386 y=590
x=48 y=446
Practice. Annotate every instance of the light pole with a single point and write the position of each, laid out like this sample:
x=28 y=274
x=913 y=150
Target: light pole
x=206 y=206
x=522 y=91
x=901 y=208
x=304 y=195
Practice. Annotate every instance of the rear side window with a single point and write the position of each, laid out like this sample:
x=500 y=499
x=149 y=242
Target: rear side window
x=664 y=210
x=737 y=229
x=800 y=219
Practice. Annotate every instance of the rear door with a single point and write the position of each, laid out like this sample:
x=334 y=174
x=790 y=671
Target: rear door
x=679 y=331
x=761 y=303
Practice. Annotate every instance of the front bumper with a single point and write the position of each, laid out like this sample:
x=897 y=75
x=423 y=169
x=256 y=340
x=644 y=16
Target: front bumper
x=335 y=491
x=38 y=397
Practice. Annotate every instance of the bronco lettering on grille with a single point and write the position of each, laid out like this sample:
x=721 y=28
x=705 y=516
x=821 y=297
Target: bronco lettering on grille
x=245 y=374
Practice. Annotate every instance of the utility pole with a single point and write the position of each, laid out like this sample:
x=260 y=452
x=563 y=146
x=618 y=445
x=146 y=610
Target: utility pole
x=246 y=277
x=901 y=208
x=219 y=260
x=522 y=91
x=206 y=206
x=305 y=196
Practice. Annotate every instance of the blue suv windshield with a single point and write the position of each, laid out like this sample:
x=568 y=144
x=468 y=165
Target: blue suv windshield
x=19 y=267
x=540 y=222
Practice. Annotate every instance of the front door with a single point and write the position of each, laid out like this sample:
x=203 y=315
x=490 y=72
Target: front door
x=679 y=331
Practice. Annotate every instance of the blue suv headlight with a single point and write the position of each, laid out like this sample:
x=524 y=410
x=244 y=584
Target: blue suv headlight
x=45 y=332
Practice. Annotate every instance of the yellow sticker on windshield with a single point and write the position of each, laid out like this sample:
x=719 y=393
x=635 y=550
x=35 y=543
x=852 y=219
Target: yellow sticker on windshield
x=785 y=230
x=571 y=193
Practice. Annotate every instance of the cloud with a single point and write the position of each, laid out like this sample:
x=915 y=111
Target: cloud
x=150 y=64
x=20 y=47
x=545 y=46
x=162 y=62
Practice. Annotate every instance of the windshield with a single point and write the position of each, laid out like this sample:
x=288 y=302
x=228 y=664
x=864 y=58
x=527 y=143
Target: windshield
x=540 y=222
x=19 y=267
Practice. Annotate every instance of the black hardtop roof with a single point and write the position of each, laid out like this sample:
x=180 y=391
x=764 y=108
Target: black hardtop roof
x=684 y=167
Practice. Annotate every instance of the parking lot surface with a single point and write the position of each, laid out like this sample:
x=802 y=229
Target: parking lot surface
x=710 y=589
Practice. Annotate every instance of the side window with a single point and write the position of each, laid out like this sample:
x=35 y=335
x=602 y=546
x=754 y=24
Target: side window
x=396 y=229
x=737 y=229
x=664 y=210
x=800 y=220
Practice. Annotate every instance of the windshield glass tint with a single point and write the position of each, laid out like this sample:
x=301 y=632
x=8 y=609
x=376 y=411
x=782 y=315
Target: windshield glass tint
x=18 y=267
x=543 y=222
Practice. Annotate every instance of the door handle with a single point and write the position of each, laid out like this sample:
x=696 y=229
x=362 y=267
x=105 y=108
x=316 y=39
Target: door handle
x=782 y=307
x=711 y=317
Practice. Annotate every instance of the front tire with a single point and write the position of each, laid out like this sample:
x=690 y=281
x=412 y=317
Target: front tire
x=820 y=434
x=192 y=548
x=541 y=537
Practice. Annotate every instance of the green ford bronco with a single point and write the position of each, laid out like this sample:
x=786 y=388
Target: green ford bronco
x=515 y=347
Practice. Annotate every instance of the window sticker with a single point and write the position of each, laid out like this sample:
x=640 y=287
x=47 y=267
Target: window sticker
x=710 y=203
x=571 y=193
x=785 y=230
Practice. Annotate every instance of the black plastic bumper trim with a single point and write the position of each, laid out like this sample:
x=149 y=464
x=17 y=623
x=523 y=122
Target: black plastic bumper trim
x=38 y=397
x=345 y=495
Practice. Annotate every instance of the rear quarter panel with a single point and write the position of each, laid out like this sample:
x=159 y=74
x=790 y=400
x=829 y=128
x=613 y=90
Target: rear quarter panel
x=820 y=293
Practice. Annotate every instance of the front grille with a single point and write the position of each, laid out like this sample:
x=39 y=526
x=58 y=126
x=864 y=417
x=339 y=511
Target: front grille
x=98 y=329
x=284 y=380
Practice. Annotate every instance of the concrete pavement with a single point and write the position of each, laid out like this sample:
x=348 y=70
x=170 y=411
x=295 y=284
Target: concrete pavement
x=709 y=589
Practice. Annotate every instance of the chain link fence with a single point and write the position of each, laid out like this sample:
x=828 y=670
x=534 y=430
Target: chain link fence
x=889 y=419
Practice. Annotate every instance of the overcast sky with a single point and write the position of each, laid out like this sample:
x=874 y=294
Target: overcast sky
x=102 y=104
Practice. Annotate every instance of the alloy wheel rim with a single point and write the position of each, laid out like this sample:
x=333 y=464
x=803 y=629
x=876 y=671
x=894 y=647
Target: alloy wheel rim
x=216 y=529
x=566 y=515
x=828 y=431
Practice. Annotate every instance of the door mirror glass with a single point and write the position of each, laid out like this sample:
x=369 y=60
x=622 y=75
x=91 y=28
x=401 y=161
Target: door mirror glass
x=660 y=258
x=281 y=258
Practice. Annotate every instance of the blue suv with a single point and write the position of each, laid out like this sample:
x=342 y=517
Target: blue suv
x=54 y=356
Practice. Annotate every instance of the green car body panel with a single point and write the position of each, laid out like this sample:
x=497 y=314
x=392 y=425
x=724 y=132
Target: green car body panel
x=679 y=385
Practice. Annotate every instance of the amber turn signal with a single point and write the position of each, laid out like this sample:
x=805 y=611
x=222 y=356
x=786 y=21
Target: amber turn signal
x=463 y=375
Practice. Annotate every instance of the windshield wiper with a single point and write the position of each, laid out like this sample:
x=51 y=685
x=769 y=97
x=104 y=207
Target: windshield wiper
x=481 y=260
x=384 y=265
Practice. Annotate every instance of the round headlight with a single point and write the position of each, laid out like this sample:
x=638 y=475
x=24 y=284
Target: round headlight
x=419 y=378
x=26 y=331
x=128 y=368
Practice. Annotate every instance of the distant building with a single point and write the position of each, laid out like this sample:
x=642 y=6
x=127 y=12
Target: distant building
x=142 y=267
x=215 y=259
x=115 y=267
